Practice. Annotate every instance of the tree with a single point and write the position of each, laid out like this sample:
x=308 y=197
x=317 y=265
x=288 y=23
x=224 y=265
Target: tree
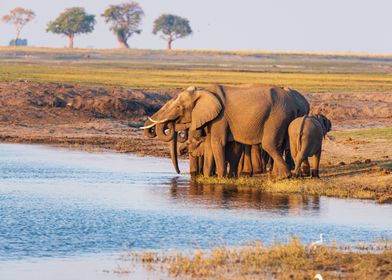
x=71 y=22
x=19 y=17
x=124 y=21
x=172 y=28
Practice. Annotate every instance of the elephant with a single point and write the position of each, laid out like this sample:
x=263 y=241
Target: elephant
x=196 y=148
x=253 y=114
x=306 y=136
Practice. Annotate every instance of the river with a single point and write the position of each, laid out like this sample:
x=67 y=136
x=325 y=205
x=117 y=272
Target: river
x=61 y=208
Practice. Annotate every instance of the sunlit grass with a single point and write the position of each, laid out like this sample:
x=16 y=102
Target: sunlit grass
x=174 y=78
x=381 y=133
x=376 y=186
x=233 y=52
x=308 y=72
x=293 y=260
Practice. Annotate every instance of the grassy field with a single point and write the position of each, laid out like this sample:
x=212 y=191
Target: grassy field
x=293 y=260
x=176 y=69
x=380 y=133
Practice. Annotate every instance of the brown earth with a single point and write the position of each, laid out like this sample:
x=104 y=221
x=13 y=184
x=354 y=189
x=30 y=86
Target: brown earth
x=108 y=118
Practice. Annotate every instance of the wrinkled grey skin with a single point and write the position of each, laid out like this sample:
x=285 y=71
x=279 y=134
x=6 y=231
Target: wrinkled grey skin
x=196 y=147
x=306 y=137
x=254 y=114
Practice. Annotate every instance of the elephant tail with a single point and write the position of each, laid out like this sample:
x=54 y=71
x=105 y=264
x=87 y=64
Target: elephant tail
x=301 y=130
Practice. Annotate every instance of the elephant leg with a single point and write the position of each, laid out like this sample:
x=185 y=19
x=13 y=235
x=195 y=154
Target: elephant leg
x=288 y=158
x=264 y=160
x=208 y=163
x=306 y=168
x=241 y=162
x=299 y=159
x=233 y=155
x=270 y=163
x=219 y=132
x=316 y=164
x=273 y=138
x=193 y=165
x=218 y=150
x=200 y=163
x=247 y=168
x=257 y=166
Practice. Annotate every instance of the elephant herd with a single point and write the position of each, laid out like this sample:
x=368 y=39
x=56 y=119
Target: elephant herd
x=241 y=130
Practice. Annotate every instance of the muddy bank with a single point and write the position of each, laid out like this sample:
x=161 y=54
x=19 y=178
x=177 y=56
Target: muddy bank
x=108 y=117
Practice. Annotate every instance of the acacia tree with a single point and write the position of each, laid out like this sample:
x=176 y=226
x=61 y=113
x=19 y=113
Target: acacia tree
x=19 y=17
x=171 y=27
x=124 y=20
x=71 y=22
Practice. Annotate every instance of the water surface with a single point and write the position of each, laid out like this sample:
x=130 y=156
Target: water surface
x=56 y=203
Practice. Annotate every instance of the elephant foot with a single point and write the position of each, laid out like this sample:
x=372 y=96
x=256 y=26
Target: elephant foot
x=245 y=174
x=315 y=174
x=295 y=175
x=305 y=173
x=193 y=174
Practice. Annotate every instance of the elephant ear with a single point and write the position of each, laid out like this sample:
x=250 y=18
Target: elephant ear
x=206 y=108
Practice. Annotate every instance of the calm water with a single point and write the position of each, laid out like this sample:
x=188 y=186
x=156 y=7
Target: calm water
x=62 y=204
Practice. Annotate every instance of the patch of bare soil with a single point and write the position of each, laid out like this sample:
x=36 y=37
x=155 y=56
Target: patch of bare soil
x=91 y=117
x=353 y=110
x=79 y=116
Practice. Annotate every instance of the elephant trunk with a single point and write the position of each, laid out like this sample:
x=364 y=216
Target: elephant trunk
x=173 y=152
x=149 y=129
x=150 y=132
x=165 y=131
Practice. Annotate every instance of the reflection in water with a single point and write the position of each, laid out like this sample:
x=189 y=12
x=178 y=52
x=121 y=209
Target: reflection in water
x=61 y=203
x=231 y=196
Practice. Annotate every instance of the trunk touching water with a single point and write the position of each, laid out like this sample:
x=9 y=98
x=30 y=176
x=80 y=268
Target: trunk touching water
x=167 y=133
x=173 y=153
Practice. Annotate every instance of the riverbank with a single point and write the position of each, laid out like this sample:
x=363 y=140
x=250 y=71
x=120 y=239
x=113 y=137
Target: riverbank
x=356 y=160
x=293 y=260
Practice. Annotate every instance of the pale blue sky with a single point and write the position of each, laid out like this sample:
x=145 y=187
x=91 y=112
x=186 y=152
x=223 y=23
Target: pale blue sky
x=303 y=25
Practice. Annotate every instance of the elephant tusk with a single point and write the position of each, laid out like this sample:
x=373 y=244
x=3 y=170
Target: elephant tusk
x=148 y=126
x=157 y=122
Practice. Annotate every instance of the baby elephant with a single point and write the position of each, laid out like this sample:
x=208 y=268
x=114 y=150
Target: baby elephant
x=306 y=137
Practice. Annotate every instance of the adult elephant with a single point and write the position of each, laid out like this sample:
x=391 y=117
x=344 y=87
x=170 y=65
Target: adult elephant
x=250 y=114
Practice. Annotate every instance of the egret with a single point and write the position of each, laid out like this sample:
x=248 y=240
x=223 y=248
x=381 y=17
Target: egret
x=318 y=276
x=318 y=242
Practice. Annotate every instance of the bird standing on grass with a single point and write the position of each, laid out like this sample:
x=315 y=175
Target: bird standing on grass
x=318 y=242
x=318 y=276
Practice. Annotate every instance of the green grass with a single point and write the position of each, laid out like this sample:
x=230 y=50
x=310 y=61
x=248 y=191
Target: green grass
x=178 y=69
x=380 y=133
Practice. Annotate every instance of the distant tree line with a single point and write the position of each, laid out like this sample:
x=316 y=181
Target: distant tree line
x=124 y=21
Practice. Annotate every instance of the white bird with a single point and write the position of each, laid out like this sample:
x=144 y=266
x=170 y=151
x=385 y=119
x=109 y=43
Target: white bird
x=318 y=276
x=318 y=242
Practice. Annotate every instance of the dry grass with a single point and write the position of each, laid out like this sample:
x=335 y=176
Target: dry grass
x=362 y=181
x=176 y=78
x=177 y=69
x=232 y=52
x=278 y=261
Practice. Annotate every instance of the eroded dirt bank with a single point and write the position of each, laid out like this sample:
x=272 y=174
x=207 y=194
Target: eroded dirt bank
x=108 y=118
